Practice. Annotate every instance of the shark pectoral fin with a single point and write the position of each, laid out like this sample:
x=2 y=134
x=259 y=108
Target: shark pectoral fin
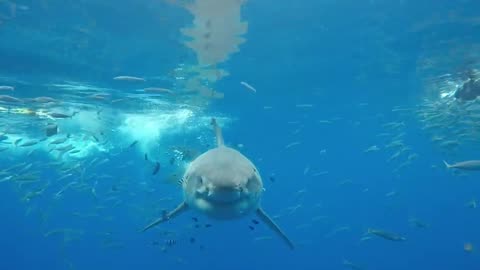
x=267 y=220
x=180 y=209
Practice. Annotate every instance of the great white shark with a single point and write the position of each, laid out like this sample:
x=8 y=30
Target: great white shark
x=223 y=184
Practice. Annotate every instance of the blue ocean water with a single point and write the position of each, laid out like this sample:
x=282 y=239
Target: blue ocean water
x=349 y=120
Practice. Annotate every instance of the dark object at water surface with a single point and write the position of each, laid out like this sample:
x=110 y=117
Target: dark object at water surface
x=51 y=130
x=469 y=90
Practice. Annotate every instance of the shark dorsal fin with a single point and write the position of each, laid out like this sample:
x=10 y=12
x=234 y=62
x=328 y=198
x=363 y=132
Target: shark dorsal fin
x=218 y=133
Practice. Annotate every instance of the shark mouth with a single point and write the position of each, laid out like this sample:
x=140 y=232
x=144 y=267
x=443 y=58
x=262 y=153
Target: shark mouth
x=224 y=197
x=222 y=202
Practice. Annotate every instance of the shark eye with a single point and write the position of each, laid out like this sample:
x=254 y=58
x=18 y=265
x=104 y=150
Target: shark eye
x=253 y=184
x=200 y=180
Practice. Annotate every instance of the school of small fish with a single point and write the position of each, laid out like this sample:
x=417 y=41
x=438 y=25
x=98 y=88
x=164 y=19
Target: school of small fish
x=78 y=142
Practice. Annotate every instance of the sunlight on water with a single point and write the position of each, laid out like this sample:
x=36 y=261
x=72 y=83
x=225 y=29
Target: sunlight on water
x=149 y=128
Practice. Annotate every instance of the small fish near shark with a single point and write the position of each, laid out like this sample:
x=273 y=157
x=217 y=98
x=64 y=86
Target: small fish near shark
x=469 y=165
x=223 y=184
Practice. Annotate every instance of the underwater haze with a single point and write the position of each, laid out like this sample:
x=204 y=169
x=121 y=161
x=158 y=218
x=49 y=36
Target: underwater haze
x=354 y=125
